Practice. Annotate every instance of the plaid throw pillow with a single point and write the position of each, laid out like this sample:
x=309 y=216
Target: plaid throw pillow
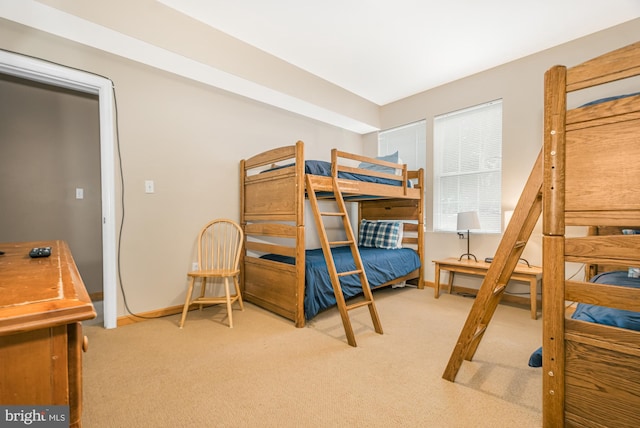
x=381 y=234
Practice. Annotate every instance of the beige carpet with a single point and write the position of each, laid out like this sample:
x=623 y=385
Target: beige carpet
x=266 y=373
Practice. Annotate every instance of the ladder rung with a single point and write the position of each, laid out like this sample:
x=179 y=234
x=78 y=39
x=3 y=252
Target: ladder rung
x=353 y=272
x=332 y=214
x=359 y=304
x=340 y=242
x=479 y=331
x=520 y=244
x=499 y=289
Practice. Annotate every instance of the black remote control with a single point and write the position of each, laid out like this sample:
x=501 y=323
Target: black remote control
x=40 y=252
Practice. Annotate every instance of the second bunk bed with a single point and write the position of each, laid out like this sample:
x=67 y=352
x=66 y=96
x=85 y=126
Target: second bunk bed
x=591 y=359
x=280 y=273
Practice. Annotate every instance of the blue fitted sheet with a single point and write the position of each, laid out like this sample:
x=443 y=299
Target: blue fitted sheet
x=380 y=266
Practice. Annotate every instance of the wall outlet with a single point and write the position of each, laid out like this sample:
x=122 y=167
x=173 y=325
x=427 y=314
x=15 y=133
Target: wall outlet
x=149 y=186
x=194 y=266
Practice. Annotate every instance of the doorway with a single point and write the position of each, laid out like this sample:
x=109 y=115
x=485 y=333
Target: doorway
x=57 y=75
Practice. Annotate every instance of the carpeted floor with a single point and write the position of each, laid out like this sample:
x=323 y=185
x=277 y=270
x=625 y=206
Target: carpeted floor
x=266 y=373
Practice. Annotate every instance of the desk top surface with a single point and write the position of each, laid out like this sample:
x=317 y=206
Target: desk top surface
x=40 y=292
x=520 y=268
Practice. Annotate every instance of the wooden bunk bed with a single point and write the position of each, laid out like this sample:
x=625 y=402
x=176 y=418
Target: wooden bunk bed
x=591 y=371
x=273 y=218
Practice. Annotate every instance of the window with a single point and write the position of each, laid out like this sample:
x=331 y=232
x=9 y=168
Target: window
x=467 y=166
x=410 y=141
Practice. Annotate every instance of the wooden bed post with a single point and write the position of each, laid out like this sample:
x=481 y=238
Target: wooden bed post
x=243 y=223
x=300 y=237
x=553 y=276
x=421 y=228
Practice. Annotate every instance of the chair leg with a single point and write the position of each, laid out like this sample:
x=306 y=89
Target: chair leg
x=235 y=281
x=228 y=295
x=203 y=289
x=187 y=302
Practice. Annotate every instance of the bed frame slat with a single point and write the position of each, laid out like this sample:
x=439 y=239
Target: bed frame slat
x=601 y=217
x=613 y=296
x=612 y=66
x=614 y=247
x=270 y=157
x=276 y=230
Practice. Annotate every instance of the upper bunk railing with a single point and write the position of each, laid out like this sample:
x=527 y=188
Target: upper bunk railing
x=376 y=169
x=616 y=65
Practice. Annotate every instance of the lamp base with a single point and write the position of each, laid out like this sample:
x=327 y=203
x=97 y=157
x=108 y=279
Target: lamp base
x=469 y=255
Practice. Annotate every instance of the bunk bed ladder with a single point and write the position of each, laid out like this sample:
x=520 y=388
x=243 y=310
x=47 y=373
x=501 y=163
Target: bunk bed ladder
x=333 y=273
x=523 y=221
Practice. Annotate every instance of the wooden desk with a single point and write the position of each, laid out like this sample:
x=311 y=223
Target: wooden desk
x=522 y=272
x=42 y=302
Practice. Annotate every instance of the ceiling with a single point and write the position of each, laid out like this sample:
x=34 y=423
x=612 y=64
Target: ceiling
x=385 y=50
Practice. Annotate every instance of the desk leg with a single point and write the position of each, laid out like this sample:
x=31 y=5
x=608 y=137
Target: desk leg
x=451 y=273
x=533 y=291
x=436 y=283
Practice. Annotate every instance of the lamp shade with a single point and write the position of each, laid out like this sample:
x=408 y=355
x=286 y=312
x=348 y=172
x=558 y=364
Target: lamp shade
x=468 y=220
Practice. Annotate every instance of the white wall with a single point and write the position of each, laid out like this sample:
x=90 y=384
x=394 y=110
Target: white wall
x=189 y=138
x=520 y=85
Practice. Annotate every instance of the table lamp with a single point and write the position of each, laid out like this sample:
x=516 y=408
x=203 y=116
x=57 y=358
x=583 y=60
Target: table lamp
x=466 y=221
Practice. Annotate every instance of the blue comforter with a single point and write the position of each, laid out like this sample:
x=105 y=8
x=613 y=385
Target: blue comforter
x=600 y=314
x=380 y=265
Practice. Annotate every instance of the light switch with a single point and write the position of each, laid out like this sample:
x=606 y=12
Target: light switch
x=79 y=193
x=149 y=186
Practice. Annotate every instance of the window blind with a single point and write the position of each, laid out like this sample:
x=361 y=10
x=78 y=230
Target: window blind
x=410 y=141
x=468 y=166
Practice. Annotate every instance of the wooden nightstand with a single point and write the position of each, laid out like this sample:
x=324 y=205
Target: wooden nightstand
x=522 y=272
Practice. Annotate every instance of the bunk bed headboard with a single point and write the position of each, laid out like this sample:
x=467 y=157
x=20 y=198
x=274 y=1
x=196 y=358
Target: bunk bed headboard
x=591 y=372
x=271 y=208
x=409 y=211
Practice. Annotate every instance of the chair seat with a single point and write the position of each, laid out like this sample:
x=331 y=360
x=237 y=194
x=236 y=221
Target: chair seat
x=213 y=273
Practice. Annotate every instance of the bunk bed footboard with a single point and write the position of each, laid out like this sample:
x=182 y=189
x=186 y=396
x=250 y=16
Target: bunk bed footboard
x=271 y=285
x=602 y=375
